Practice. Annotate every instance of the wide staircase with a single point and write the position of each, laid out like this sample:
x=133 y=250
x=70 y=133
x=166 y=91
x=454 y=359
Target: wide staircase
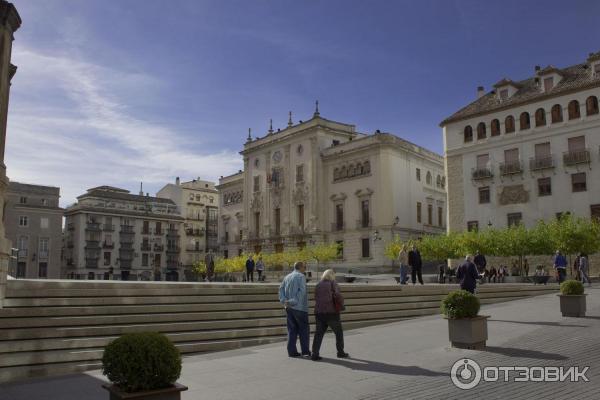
x=60 y=327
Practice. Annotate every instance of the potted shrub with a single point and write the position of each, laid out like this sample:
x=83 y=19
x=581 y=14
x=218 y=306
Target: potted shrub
x=466 y=329
x=572 y=299
x=142 y=366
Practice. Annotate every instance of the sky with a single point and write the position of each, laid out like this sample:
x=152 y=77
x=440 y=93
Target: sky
x=122 y=92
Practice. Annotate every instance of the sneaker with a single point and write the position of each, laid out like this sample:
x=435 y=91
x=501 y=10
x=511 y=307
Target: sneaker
x=316 y=357
x=294 y=355
x=343 y=355
x=307 y=355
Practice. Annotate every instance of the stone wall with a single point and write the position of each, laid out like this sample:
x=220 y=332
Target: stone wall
x=456 y=200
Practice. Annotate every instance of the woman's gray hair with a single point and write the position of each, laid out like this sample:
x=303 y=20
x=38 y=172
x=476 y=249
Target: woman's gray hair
x=328 y=275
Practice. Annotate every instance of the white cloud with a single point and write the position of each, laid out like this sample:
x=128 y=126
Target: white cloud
x=71 y=125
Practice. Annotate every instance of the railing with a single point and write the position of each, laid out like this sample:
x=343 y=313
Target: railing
x=511 y=168
x=194 y=248
x=194 y=232
x=364 y=223
x=481 y=173
x=338 y=226
x=43 y=254
x=158 y=231
x=92 y=226
x=22 y=253
x=126 y=246
x=536 y=164
x=108 y=228
x=126 y=240
x=173 y=249
x=146 y=247
x=146 y=231
x=108 y=245
x=576 y=157
x=172 y=232
x=127 y=229
x=92 y=244
x=159 y=247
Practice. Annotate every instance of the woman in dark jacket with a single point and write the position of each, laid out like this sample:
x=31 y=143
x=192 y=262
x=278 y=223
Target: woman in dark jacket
x=328 y=304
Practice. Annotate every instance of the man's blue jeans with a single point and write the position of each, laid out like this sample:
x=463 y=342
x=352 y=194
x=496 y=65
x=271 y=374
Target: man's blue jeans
x=297 y=326
x=562 y=273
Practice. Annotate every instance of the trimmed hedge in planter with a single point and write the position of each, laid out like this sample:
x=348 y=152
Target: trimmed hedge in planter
x=460 y=304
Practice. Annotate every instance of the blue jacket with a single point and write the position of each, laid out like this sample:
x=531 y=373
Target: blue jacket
x=249 y=264
x=467 y=275
x=560 y=261
x=293 y=290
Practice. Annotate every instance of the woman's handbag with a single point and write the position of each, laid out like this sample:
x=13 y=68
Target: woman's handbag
x=339 y=306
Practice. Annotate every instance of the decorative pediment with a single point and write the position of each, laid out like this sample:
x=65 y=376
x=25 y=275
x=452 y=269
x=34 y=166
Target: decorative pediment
x=364 y=192
x=514 y=194
x=338 y=197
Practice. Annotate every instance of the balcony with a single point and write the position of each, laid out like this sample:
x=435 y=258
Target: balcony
x=481 y=173
x=126 y=240
x=108 y=228
x=571 y=158
x=364 y=223
x=541 y=163
x=194 y=249
x=194 y=232
x=173 y=249
x=91 y=262
x=22 y=253
x=43 y=254
x=511 y=168
x=92 y=244
x=127 y=229
x=146 y=247
x=338 y=226
x=107 y=245
x=92 y=226
x=146 y=232
x=158 y=247
x=173 y=232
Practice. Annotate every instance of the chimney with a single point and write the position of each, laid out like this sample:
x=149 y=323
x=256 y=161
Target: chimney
x=177 y=181
x=480 y=92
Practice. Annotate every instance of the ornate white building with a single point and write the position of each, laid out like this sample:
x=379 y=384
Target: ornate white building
x=320 y=181
x=526 y=150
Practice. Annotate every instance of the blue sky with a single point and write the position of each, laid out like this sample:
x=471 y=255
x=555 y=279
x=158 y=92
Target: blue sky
x=118 y=92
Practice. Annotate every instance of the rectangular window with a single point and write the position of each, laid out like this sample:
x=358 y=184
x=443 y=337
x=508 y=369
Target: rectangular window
x=514 y=219
x=472 y=226
x=429 y=214
x=511 y=156
x=146 y=228
x=23 y=200
x=364 y=209
x=576 y=144
x=440 y=216
x=299 y=173
x=339 y=216
x=226 y=254
x=277 y=221
x=21 y=269
x=418 y=174
x=44 y=223
x=107 y=258
x=544 y=187
x=23 y=220
x=44 y=202
x=542 y=150
x=578 y=182
x=595 y=210
x=257 y=183
x=257 y=224
x=366 y=251
x=158 y=228
x=483 y=161
x=504 y=94
x=548 y=84
x=44 y=245
x=301 y=216
x=144 y=259
x=419 y=212
x=43 y=270
x=484 y=195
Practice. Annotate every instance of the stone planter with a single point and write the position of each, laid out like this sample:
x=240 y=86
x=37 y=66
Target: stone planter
x=572 y=305
x=468 y=333
x=170 y=393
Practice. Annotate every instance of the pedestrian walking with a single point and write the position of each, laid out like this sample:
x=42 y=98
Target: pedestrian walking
x=260 y=267
x=480 y=262
x=467 y=275
x=560 y=265
x=293 y=296
x=416 y=265
x=575 y=273
x=329 y=303
x=584 y=267
x=403 y=260
x=209 y=260
x=442 y=273
x=250 y=269
x=526 y=267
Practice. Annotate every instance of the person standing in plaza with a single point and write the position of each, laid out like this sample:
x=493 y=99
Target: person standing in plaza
x=414 y=260
x=328 y=305
x=293 y=296
x=480 y=262
x=403 y=260
x=209 y=260
x=260 y=267
x=560 y=264
x=467 y=275
x=575 y=272
x=584 y=267
x=526 y=267
x=250 y=269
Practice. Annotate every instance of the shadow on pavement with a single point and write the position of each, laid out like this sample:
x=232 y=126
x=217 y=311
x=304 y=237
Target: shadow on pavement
x=524 y=353
x=374 y=366
x=66 y=387
x=541 y=323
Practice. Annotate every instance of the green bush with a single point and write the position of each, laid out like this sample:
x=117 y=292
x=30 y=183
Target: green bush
x=141 y=361
x=460 y=304
x=571 y=287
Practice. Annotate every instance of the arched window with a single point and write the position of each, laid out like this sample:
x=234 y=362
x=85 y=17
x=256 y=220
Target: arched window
x=367 y=167
x=344 y=172
x=574 y=109
x=443 y=182
x=351 y=171
x=481 y=133
x=336 y=174
x=468 y=133
x=540 y=117
x=591 y=105
x=438 y=181
x=557 y=113
x=509 y=124
x=428 y=178
x=524 y=121
x=359 y=169
x=495 y=127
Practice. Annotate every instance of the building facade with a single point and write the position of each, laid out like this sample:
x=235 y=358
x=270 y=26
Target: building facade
x=526 y=150
x=133 y=237
x=198 y=202
x=320 y=181
x=33 y=221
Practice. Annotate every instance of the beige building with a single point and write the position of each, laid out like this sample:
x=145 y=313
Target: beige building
x=526 y=150
x=320 y=181
x=134 y=237
x=33 y=222
x=198 y=202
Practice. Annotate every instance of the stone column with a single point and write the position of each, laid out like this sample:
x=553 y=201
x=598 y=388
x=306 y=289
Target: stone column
x=9 y=23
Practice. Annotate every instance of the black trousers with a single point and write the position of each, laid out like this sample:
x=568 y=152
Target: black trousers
x=249 y=275
x=323 y=321
x=414 y=273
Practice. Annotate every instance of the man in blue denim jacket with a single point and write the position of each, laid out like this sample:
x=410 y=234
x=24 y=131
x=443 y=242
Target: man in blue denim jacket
x=293 y=296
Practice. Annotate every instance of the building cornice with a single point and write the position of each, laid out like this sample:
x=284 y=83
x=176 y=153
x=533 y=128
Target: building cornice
x=104 y=211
